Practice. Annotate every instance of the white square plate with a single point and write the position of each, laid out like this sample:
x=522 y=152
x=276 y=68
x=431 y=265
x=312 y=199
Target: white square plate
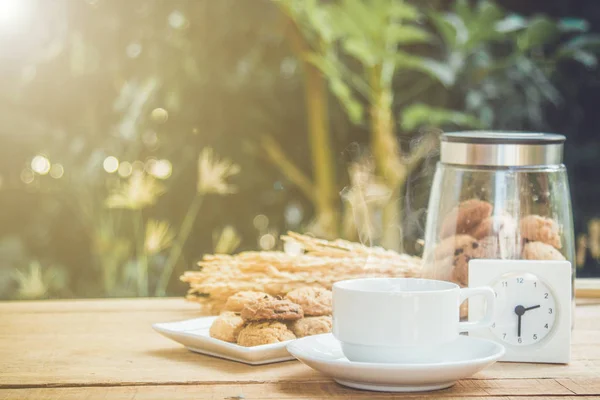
x=193 y=334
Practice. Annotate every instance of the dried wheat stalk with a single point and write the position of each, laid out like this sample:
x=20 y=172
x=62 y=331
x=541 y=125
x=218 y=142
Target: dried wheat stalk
x=323 y=263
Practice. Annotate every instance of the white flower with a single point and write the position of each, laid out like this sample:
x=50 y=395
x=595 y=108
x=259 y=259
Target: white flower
x=138 y=192
x=159 y=236
x=212 y=173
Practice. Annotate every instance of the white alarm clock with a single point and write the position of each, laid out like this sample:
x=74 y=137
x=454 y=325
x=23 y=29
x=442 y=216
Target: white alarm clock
x=533 y=307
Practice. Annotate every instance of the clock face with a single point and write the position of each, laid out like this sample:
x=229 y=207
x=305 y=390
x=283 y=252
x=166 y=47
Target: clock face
x=525 y=309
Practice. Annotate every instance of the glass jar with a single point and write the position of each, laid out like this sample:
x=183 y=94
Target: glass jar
x=497 y=195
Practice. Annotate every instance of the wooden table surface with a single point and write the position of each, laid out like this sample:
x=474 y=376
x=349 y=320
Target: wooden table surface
x=106 y=349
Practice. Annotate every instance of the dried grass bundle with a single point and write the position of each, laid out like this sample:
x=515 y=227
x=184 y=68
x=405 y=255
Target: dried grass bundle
x=323 y=263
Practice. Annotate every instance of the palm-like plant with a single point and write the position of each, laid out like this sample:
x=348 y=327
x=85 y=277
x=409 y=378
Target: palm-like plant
x=376 y=36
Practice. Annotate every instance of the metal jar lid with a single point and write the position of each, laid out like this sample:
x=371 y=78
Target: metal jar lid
x=502 y=149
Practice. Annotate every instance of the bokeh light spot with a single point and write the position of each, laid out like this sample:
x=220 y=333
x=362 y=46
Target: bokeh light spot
x=40 y=164
x=293 y=214
x=27 y=176
x=110 y=164
x=133 y=50
x=177 y=19
x=267 y=242
x=149 y=164
x=125 y=169
x=159 y=115
x=288 y=67
x=57 y=171
x=137 y=165
x=261 y=222
x=161 y=169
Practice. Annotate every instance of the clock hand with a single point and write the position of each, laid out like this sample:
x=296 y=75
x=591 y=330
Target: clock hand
x=532 y=308
x=519 y=310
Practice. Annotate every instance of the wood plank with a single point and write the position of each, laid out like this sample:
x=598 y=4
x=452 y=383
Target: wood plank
x=581 y=386
x=83 y=348
x=115 y=345
x=471 y=389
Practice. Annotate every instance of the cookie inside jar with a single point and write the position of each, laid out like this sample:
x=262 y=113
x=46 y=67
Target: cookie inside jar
x=473 y=229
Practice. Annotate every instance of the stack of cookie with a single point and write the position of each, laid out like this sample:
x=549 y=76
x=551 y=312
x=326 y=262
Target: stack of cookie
x=471 y=231
x=256 y=318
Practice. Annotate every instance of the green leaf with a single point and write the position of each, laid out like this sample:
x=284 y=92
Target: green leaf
x=461 y=31
x=440 y=71
x=358 y=19
x=540 y=31
x=404 y=11
x=418 y=115
x=318 y=61
x=360 y=50
x=445 y=28
x=343 y=93
x=581 y=49
x=511 y=23
x=586 y=58
x=487 y=15
x=444 y=72
x=406 y=34
x=462 y=8
x=343 y=24
x=319 y=19
x=481 y=26
x=589 y=41
x=573 y=25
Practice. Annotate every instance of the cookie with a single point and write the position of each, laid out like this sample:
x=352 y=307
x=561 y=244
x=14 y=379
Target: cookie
x=498 y=224
x=266 y=332
x=460 y=272
x=464 y=310
x=314 y=301
x=535 y=228
x=311 y=326
x=464 y=217
x=238 y=301
x=272 y=309
x=541 y=251
x=226 y=327
x=455 y=245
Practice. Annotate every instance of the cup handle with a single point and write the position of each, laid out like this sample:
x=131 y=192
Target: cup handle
x=490 y=298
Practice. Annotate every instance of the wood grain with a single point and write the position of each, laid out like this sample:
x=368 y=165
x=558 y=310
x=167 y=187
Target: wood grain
x=98 y=349
x=471 y=389
x=99 y=305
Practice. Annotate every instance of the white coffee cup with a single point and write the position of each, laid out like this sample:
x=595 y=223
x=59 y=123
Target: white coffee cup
x=391 y=320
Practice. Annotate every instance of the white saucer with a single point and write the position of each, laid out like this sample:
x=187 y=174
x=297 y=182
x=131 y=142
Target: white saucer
x=459 y=360
x=194 y=334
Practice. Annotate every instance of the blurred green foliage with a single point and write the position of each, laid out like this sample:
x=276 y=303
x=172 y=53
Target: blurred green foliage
x=118 y=99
